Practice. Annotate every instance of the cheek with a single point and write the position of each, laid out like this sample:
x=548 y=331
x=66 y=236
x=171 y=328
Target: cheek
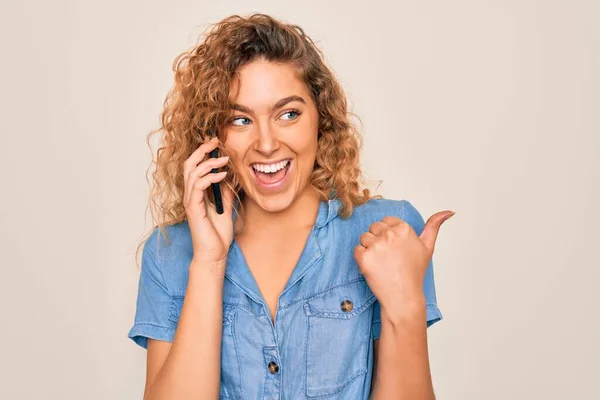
x=234 y=149
x=309 y=149
x=305 y=141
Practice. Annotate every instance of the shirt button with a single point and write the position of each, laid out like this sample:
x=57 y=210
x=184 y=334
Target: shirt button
x=347 y=306
x=273 y=367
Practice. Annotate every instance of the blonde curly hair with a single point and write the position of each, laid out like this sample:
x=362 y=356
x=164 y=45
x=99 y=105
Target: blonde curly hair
x=199 y=105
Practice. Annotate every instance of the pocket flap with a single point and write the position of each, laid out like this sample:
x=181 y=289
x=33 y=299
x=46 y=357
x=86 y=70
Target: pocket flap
x=342 y=302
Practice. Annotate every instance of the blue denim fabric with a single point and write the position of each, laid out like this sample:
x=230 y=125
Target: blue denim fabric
x=321 y=350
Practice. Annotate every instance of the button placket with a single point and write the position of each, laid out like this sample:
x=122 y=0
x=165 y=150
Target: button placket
x=273 y=367
x=273 y=372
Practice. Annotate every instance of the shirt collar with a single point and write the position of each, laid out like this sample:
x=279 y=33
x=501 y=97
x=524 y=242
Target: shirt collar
x=328 y=210
x=239 y=273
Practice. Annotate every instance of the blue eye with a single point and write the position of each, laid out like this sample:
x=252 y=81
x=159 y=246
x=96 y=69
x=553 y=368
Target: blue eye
x=234 y=120
x=291 y=112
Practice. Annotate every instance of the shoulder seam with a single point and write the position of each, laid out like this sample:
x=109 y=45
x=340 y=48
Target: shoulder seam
x=402 y=202
x=160 y=271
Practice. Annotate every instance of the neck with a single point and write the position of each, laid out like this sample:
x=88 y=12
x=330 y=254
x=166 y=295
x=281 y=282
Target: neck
x=301 y=214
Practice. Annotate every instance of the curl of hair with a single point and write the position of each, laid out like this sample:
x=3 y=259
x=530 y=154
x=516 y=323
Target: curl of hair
x=198 y=107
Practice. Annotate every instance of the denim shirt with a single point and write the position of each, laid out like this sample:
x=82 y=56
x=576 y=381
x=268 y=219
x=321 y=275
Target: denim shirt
x=321 y=344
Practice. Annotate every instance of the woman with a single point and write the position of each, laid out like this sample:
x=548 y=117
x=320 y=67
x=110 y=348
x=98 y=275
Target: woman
x=306 y=286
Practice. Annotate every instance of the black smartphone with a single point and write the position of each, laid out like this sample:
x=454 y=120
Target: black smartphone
x=216 y=187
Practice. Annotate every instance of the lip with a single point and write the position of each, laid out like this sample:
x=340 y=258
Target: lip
x=274 y=185
x=269 y=163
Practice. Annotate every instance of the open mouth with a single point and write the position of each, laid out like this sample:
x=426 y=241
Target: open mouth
x=271 y=174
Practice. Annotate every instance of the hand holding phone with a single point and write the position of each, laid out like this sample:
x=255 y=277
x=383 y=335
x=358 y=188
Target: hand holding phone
x=212 y=234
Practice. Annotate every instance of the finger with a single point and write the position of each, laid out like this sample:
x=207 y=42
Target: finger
x=378 y=227
x=198 y=188
x=207 y=166
x=392 y=221
x=359 y=252
x=366 y=239
x=228 y=201
x=432 y=227
x=196 y=196
x=202 y=169
x=198 y=155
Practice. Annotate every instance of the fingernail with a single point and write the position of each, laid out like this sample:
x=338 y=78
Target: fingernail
x=452 y=214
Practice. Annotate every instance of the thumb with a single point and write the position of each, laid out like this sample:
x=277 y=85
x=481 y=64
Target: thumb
x=432 y=228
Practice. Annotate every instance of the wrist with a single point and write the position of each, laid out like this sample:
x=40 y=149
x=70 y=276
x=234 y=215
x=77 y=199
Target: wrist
x=217 y=266
x=405 y=310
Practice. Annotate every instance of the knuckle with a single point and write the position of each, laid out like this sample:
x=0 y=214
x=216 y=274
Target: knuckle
x=377 y=227
x=391 y=220
x=368 y=255
x=402 y=228
x=377 y=246
x=198 y=184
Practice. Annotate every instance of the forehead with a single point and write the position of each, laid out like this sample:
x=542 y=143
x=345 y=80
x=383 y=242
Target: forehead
x=261 y=83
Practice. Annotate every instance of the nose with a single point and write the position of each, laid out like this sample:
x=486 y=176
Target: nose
x=266 y=142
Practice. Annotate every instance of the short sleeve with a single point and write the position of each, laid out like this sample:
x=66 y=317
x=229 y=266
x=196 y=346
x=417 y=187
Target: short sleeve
x=412 y=216
x=153 y=300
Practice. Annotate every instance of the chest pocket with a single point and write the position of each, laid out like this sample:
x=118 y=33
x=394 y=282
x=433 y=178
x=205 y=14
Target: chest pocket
x=231 y=373
x=337 y=343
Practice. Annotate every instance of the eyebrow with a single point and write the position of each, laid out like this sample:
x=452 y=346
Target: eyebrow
x=278 y=104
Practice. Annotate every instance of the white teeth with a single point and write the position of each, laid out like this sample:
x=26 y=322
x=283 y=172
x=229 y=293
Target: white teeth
x=270 y=168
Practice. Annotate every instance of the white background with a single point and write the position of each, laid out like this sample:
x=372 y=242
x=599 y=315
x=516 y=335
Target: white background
x=487 y=108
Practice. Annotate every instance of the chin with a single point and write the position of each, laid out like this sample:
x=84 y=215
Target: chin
x=274 y=203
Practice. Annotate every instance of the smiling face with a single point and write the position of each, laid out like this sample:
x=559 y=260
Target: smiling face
x=272 y=134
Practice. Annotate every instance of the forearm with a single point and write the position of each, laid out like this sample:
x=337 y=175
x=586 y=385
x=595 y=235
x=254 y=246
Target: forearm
x=403 y=363
x=193 y=366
